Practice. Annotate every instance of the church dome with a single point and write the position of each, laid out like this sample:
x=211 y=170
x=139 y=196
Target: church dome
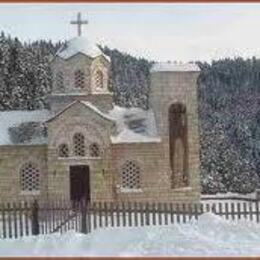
x=80 y=45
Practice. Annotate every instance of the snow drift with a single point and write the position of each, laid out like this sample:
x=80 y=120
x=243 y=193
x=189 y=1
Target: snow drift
x=209 y=236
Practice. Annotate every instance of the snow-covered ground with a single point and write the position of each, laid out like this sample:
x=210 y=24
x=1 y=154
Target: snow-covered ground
x=209 y=236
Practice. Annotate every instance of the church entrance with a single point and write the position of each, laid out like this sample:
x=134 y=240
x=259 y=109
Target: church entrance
x=79 y=183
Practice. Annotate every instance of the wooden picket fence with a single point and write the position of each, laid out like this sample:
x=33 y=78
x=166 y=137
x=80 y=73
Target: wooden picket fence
x=25 y=219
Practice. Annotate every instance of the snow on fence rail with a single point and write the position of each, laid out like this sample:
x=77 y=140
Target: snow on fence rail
x=25 y=219
x=228 y=198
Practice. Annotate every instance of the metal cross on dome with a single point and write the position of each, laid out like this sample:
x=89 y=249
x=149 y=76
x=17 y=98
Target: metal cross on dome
x=79 y=23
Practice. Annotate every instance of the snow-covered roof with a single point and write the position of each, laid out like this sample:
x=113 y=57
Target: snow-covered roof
x=85 y=103
x=10 y=119
x=80 y=44
x=174 y=66
x=134 y=125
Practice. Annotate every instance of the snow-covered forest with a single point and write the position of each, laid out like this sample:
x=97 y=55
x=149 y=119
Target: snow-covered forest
x=229 y=110
x=25 y=76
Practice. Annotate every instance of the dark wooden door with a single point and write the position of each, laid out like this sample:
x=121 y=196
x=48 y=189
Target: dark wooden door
x=79 y=183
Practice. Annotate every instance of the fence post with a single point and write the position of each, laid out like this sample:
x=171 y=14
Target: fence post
x=83 y=210
x=257 y=194
x=35 y=218
x=147 y=214
x=130 y=210
x=213 y=208
x=88 y=208
x=4 y=220
x=257 y=211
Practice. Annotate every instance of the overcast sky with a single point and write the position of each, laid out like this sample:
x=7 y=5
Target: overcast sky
x=181 y=32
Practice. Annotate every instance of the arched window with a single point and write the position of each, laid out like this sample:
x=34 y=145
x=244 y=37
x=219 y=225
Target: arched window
x=60 y=80
x=94 y=150
x=79 y=79
x=30 y=177
x=131 y=175
x=79 y=144
x=178 y=144
x=99 y=79
x=63 y=150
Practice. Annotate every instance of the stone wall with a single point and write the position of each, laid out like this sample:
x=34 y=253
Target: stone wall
x=155 y=178
x=12 y=158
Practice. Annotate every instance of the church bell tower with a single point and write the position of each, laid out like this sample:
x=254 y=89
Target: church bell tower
x=173 y=98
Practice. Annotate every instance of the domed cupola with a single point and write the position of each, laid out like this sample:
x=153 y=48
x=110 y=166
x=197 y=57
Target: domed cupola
x=81 y=45
x=80 y=69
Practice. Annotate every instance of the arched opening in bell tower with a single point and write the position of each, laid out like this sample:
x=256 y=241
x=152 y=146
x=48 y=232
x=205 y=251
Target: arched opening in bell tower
x=178 y=145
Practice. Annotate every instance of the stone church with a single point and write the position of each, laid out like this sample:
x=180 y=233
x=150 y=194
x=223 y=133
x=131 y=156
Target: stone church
x=85 y=146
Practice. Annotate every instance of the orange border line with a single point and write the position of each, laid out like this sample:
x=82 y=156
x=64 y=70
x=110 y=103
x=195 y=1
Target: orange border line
x=129 y=1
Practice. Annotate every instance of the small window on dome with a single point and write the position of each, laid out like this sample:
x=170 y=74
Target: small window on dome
x=99 y=79
x=79 y=79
